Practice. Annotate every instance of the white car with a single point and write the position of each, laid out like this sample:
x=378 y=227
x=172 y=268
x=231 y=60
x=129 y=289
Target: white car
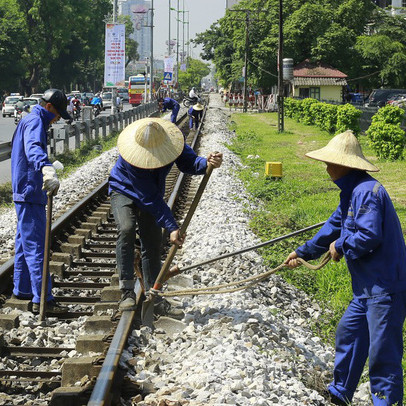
x=8 y=105
x=107 y=98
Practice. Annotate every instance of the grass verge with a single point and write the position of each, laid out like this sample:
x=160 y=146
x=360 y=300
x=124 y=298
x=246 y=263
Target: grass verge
x=304 y=196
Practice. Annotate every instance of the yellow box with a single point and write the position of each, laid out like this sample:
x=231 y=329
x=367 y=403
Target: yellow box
x=273 y=169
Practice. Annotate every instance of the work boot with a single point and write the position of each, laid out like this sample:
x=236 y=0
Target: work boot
x=335 y=400
x=128 y=299
x=52 y=307
x=163 y=308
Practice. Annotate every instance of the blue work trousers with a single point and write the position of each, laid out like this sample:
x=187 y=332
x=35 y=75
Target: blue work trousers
x=127 y=215
x=29 y=251
x=371 y=328
x=174 y=114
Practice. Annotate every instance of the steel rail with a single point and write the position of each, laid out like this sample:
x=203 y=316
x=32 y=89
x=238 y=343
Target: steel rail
x=101 y=392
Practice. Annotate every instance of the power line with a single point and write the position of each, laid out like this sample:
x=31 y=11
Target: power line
x=263 y=70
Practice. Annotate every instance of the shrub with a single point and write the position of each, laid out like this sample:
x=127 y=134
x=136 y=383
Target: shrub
x=307 y=114
x=387 y=140
x=348 y=119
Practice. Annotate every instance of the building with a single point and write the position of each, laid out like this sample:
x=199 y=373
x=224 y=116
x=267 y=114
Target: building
x=393 y=6
x=318 y=81
x=139 y=11
x=231 y=3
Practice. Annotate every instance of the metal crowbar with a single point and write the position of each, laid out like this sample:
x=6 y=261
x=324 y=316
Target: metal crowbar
x=147 y=311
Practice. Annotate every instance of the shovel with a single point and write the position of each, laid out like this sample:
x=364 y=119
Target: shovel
x=47 y=249
x=177 y=271
x=147 y=311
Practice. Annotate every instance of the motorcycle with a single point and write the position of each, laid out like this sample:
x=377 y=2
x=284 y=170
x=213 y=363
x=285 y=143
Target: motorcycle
x=76 y=113
x=96 y=109
x=191 y=101
x=18 y=115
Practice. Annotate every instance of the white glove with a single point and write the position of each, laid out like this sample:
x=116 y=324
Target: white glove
x=50 y=180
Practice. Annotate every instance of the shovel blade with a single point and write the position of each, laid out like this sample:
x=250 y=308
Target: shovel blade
x=147 y=312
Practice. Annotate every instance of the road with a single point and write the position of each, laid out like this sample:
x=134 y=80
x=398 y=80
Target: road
x=7 y=128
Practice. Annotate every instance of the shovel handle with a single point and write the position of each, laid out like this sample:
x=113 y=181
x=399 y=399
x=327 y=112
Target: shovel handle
x=47 y=247
x=165 y=267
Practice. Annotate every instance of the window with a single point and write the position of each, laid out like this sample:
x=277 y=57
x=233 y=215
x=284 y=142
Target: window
x=315 y=93
x=303 y=93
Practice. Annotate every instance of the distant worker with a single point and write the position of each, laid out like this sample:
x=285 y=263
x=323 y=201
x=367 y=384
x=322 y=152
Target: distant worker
x=148 y=149
x=119 y=103
x=364 y=229
x=169 y=104
x=195 y=114
x=32 y=177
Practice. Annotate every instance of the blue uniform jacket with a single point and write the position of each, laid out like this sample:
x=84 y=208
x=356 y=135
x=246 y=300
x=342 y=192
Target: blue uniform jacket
x=367 y=232
x=29 y=155
x=169 y=104
x=146 y=187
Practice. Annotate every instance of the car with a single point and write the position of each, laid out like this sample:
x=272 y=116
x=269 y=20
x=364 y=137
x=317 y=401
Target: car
x=37 y=96
x=31 y=101
x=8 y=105
x=397 y=98
x=379 y=97
x=107 y=98
x=123 y=95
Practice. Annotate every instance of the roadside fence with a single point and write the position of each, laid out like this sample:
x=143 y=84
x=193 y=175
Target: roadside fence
x=88 y=130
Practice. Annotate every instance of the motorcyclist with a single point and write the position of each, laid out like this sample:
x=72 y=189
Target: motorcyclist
x=194 y=95
x=75 y=105
x=19 y=106
x=97 y=101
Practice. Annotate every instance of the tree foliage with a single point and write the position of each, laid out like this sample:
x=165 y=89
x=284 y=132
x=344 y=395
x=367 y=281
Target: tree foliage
x=354 y=36
x=47 y=43
x=196 y=71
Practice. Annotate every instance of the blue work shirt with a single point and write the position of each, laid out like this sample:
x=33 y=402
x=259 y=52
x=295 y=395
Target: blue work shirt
x=29 y=155
x=146 y=187
x=367 y=232
x=169 y=104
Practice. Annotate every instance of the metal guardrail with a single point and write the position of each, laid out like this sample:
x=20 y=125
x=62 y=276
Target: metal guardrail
x=88 y=130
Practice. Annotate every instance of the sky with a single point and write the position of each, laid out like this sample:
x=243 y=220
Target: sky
x=202 y=14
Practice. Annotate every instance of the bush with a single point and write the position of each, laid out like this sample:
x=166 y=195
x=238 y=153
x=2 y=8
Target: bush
x=307 y=114
x=348 y=119
x=385 y=135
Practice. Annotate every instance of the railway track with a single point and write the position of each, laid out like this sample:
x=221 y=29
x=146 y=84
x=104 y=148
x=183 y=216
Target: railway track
x=73 y=358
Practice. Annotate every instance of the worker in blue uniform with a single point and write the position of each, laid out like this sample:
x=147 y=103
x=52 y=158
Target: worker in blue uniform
x=148 y=149
x=169 y=104
x=365 y=230
x=195 y=114
x=32 y=177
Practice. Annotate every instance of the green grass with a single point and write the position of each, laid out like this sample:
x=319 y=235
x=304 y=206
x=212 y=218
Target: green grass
x=304 y=196
x=71 y=161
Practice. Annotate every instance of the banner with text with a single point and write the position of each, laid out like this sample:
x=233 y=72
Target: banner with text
x=114 y=62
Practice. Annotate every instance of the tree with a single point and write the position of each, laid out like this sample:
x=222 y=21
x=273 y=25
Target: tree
x=195 y=72
x=329 y=31
x=12 y=35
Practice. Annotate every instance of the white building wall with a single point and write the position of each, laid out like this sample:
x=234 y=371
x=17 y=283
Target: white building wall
x=231 y=3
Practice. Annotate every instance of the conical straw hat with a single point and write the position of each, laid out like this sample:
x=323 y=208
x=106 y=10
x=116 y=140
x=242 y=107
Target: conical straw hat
x=150 y=143
x=345 y=150
x=198 y=107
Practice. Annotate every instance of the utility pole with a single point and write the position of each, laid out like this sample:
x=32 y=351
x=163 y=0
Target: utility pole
x=247 y=38
x=169 y=34
x=151 y=75
x=281 y=124
x=177 y=46
x=247 y=44
x=183 y=32
x=114 y=90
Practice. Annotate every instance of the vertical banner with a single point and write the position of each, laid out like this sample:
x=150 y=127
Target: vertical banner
x=114 y=51
x=168 y=69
